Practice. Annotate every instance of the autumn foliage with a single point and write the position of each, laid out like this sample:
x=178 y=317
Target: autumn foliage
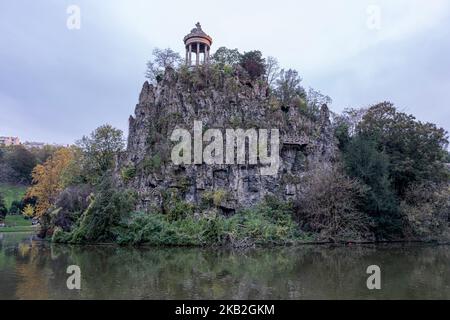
x=48 y=180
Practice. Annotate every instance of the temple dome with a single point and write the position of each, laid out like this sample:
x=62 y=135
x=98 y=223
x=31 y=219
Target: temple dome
x=197 y=35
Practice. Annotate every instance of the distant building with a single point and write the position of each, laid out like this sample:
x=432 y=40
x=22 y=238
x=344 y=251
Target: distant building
x=34 y=145
x=41 y=145
x=9 y=141
x=15 y=141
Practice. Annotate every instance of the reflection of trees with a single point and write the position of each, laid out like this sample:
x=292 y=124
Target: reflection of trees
x=30 y=268
x=7 y=288
x=278 y=273
x=191 y=273
x=27 y=282
x=173 y=273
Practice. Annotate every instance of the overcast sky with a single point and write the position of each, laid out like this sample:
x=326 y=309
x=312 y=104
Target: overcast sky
x=58 y=84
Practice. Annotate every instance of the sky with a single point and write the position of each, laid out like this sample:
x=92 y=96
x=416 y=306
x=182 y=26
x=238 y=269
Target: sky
x=58 y=84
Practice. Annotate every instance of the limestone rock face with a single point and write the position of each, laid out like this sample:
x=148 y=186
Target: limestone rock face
x=221 y=102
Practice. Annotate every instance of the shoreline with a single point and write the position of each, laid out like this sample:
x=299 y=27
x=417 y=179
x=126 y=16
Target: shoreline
x=268 y=245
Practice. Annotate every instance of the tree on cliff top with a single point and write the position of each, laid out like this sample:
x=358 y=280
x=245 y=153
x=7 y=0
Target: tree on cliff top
x=272 y=70
x=161 y=59
x=254 y=64
x=288 y=86
x=224 y=56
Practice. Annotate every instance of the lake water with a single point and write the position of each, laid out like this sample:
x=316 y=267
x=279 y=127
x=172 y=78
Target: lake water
x=37 y=270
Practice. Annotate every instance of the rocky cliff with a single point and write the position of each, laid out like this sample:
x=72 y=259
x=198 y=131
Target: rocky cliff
x=220 y=101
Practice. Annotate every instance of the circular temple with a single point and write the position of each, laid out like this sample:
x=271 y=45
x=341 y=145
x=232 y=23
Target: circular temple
x=199 y=43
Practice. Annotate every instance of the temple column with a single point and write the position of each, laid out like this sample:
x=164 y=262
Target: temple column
x=190 y=54
x=198 y=54
x=187 y=56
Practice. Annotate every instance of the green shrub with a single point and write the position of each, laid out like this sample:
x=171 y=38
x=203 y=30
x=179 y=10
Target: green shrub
x=59 y=236
x=128 y=173
x=16 y=207
x=157 y=229
x=426 y=210
x=268 y=223
x=109 y=217
x=152 y=163
x=174 y=207
x=301 y=104
x=103 y=214
x=228 y=70
x=215 y=197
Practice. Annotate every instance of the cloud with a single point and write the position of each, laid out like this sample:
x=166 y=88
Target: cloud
x=57 y=84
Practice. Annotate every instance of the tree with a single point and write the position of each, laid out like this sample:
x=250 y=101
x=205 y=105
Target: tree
x=392 y=153
x=315 y=100
x=224 y=56
x=108 y=206
x=99 y=150
x=42 y=154
x=16 y=207
x=47 y=180
x=69 y=206
x=426 y=209
x=28 y=211
x=21 y=163
x=346 y=124
x=447 y=157
x=253 y=63
x=162 y=58
x=288 y=86
x=3 y=209
x=370 y=166
x=272 y=70
x=75 y=173
x=329 y=206
x=416 y=150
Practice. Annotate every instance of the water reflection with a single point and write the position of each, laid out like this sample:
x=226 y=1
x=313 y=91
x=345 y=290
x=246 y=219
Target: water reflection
x=35 y=270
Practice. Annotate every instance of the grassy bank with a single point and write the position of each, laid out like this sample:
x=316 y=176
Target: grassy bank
x=12 y=193
x=17 y=224
x=18 y=229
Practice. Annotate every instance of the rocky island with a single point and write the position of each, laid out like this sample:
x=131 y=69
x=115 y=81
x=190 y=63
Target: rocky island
x=230 y=149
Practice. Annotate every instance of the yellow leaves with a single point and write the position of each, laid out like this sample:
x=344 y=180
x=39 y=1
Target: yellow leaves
x=28 y=211
x=48 y=179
